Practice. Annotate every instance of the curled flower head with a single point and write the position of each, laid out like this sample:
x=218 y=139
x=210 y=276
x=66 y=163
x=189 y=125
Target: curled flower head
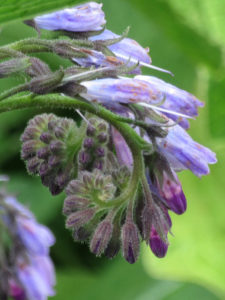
x=85 y=17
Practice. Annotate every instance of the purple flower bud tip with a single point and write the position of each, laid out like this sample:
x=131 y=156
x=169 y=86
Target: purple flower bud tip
x=130 y=242
x=172 y=192
x=84 y=157
x=91 y=130
x=102 y=137
x=56 y=147
x=88 y=143
x=80 y=218
x=101 y=237
x=100 y=152
x=46 y=137
x=82 y=18
x=158 y=247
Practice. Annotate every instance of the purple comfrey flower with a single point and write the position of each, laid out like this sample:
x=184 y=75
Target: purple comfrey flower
x=171 y=191
x=123 y=152
x=125 y=49
x=123 y=90
x=36 y=275
x=96 y=58
x=33 y=271
x=177 y=99
x=81 y=18
x=157 y=245
x=184 y=153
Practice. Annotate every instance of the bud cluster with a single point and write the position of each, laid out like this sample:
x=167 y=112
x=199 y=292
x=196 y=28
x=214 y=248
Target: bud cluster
x=50 y=146
x=94 y=149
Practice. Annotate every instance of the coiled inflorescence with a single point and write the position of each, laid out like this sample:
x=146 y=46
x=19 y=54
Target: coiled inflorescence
x=50 y=146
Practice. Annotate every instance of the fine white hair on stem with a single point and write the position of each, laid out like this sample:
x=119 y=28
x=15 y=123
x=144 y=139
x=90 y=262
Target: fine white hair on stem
x=82 y=116
x=143 y=64
x=165 y=110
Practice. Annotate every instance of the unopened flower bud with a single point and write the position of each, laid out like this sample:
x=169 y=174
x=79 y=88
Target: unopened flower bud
x=43 y=153
x=73 y=203
x=130 y=242
x=157 y=245
x=101 y=237
x=45 y=83
x=46 y=137
x=88 y=143
x=91 y=130
x=84 y=157
x=100 y=152
x=56 y=147
x=33 y=165
x=80 y=218
x=102 y=137
x=114 y=244
x=12 y=66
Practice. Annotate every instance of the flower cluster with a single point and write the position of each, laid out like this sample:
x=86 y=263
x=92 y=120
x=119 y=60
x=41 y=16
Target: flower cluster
x=27 y=271
x=120 y=180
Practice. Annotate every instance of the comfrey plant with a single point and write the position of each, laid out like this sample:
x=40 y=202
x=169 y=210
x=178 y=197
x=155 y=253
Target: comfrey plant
x=119 y=168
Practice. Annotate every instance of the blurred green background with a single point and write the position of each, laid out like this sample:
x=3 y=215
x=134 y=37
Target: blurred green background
x=188 y=38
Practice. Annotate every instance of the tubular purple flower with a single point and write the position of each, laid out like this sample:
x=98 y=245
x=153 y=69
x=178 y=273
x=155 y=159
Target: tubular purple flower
x=171 y=191
x=157 y=245
x=126 y=48
x=177 y=99
x=123 y=90
x=123 y=152
x=81 y=18
x=184 y=153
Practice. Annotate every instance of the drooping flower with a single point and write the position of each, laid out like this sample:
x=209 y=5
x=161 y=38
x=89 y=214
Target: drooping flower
x=125 y=49
x=81 y=18
x=176 y=99
x=184 y=153
x=123 y=90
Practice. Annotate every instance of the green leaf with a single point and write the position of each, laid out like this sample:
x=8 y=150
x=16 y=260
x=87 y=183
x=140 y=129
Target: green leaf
x=11 y=10
x=194 y=45
x=217 y=107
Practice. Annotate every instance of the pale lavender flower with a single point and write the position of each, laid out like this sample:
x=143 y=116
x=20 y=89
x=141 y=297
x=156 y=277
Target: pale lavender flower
x=32 y=275
x=81 y=18
x=123 y=90
x=126 y=48
x=184 y=153
x=177 y=100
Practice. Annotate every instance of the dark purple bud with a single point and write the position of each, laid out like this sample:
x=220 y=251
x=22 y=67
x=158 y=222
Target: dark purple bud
x=54 y=188
x=30 y=133
x=88 y=179
x=73 y=203
x=101 y=237
x=46 y=137
x=80 y=218
x=172 y=192
x=157 y=245
x=99 y=164
x=82 y=234
x=62 y=179
x=43 y=153
x=59 y=132
x=88 y=143
x=102 y=137
x=29 y=149
x=56 y=147
x=54 y=161
x=44 y=169
x=84 y=157
x=52 y=125
x=33 y=165
x=100 y=151
x=130 y=242
x=91 y=130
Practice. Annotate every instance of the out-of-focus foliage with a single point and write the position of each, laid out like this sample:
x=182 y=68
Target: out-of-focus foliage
x=188 y=38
